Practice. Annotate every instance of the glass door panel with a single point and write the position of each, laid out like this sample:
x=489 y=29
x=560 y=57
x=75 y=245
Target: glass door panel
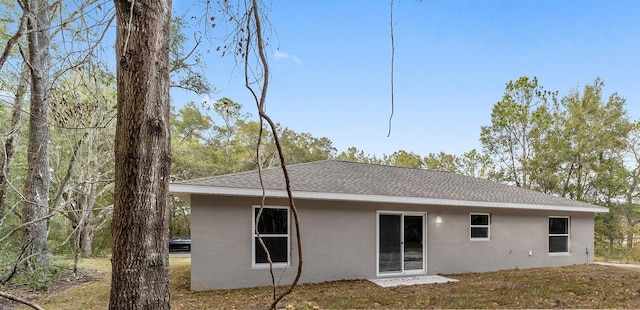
x=413 y=243
x=390 y=243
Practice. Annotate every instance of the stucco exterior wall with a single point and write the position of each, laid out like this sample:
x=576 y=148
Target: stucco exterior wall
x=339 y=241
x=514 y=236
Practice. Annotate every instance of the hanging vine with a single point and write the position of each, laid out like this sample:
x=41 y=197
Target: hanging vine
x=248 y=43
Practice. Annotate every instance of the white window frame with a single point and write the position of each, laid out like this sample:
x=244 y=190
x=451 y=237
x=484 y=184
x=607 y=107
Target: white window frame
x=568 y=235
x=488 y=227
x=255 y=265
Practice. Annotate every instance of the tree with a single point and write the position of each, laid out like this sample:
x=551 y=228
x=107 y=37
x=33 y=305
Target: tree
x=477 y=165
x=403 y=158
x=193 y=155
x=607 y=227
x=303 y=147
x=550 y=152
x=140 y=261
x=82 y=158
x=12 y=136
x=36 y=212
x=185 y=63
x=19 y=93
x=35 y=251
x=353 y=154
x=230 y=113
x=442 y=161
x=630 y=207
x=518 y=124
x=595 y=131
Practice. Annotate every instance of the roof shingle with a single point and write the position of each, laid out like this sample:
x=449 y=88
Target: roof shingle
x=341 y=177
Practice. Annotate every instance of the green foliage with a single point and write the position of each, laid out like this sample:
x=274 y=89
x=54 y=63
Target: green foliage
x=476 y=164
x=186 y=62
x=40 y=278
x=9 y=20
x=179 y=219
x=443 y=161
x=355 y=155
x=193 y=157
x=617 y=253
x=596 y=133
x=303 y=147
x=607 y=228
x=577 y=147
x=202 y=147
x=190 y=123
x=519 y=123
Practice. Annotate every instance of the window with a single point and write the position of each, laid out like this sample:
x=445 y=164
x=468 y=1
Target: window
x=479 y=226
x=558 y=235
x=273 y=228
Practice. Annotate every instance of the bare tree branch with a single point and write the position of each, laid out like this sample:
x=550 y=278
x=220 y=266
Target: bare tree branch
x=393 y=56
x=20 y=300
x=253 y=14
x=70 y=166
x=9 y=46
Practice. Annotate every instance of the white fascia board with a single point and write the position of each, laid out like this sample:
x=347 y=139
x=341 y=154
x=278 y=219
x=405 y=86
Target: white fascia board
x=251 y=192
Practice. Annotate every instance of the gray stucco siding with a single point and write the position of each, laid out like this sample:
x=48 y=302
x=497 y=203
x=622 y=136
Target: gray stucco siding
x=513 y=235
x=339 y=241
x=221 y=243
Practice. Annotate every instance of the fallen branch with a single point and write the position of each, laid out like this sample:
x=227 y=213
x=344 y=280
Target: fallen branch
x=20 y=300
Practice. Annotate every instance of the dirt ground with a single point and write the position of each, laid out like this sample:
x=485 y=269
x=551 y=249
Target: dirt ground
x=66 y=279
x=578 y=286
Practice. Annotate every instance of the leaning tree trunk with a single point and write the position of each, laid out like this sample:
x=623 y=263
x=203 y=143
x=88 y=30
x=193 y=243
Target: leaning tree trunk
x=36 y=188
x=140 y=278
x=12 y=134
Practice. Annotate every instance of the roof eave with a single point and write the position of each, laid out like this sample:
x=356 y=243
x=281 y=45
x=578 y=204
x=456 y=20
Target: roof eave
x=180 y=189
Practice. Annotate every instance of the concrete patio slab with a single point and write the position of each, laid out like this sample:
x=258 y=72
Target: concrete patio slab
x=411 y=280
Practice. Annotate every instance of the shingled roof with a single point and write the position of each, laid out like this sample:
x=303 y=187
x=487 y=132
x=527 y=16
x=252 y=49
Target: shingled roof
x=350 y=181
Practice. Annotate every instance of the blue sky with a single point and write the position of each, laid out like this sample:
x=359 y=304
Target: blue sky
x=331 y=64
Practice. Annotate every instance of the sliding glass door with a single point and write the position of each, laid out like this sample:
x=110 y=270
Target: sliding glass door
x=401 y=243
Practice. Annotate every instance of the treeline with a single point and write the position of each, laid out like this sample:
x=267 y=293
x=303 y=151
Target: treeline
x=58 y=120
x=581 y=146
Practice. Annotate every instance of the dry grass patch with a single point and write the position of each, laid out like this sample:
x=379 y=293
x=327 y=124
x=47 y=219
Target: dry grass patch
x=580 y=286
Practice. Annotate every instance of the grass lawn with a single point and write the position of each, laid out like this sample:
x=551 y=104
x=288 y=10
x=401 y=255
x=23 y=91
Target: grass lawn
x=580 y=286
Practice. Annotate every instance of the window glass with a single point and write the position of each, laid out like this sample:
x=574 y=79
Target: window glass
x=390 y=243
x=273 y=228
x=277 y=247
x=479 y=232
x=272 y=221
x=479 y=219
x=558 y=235
x=479 y=226
x=558 y=225
x=558 y=244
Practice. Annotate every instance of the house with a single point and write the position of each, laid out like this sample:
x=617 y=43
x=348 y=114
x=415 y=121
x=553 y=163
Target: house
x=364 y=221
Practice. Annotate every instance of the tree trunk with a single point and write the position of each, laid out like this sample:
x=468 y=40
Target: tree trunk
x=36 y=188
x=611 y=239
x=86 y=237
x=630 y=227
x=10 y=143
x=140 y=261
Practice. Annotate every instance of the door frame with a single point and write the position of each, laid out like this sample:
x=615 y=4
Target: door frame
x=402 y=272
